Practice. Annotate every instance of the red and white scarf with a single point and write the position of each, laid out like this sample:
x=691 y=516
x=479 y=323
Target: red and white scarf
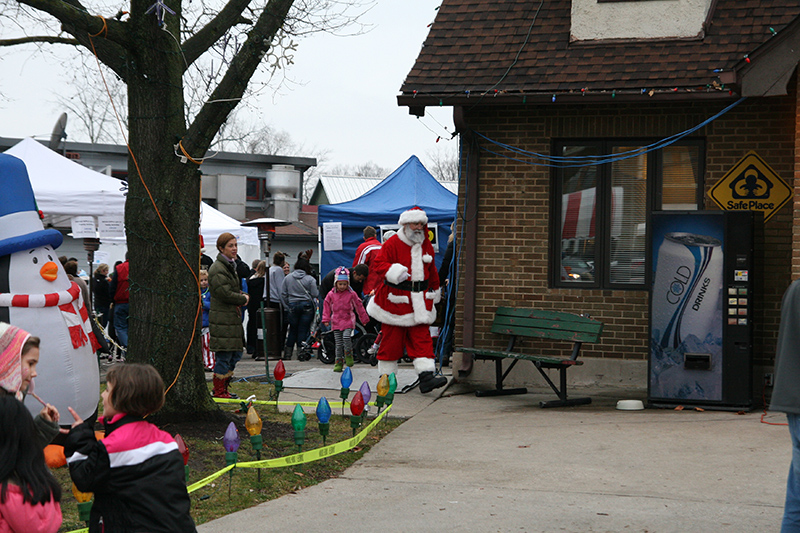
x=73 y=310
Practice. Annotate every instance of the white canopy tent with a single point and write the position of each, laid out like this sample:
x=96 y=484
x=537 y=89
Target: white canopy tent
x=64 y=189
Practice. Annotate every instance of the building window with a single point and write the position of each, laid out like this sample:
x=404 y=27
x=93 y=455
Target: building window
x=255 y=188
x=603 y=202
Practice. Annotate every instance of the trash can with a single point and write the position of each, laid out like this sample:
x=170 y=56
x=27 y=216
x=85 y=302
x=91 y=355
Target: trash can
x=272 y=320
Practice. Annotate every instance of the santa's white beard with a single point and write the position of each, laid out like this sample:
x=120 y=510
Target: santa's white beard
x=414 y=235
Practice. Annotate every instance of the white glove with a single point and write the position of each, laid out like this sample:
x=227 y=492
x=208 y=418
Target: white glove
x=404 y=276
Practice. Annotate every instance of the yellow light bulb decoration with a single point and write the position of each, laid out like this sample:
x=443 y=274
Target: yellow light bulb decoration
x=82 y=497
x=383 y=385
x=252 y=422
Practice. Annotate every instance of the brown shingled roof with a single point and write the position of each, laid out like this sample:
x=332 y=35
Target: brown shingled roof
x=472 y=44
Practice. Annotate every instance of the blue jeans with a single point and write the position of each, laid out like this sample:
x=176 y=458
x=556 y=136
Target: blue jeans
x=226 y=362
x=791 y=510
x=301 y=315
x=121 y=323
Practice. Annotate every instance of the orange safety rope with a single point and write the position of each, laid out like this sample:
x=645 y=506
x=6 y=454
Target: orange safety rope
x=152 y=200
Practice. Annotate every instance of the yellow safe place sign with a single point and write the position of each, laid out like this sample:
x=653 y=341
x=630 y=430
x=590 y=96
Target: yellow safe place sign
x=751 y=185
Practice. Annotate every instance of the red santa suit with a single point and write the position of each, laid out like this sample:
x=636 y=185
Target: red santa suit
x=405 y=305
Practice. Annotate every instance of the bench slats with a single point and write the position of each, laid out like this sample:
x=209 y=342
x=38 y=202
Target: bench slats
x=525 y=356
x=560 y=334
x=546 y=325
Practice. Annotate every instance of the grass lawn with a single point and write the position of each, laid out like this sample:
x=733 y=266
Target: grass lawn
x=243 y=489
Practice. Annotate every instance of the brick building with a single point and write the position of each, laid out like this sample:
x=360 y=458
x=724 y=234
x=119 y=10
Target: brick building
x=530 y=82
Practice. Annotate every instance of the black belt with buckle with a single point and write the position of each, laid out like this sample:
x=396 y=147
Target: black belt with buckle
x=413 y=286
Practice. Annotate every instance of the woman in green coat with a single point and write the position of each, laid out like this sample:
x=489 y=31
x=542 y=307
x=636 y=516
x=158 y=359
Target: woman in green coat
x=225 y=318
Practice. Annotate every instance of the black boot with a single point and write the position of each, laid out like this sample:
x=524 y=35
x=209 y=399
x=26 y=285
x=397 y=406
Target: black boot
x=428 y=382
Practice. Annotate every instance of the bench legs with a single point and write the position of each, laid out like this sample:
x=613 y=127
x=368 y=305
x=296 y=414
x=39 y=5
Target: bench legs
x=562 y=401
x=499 y=377
x=561 y=391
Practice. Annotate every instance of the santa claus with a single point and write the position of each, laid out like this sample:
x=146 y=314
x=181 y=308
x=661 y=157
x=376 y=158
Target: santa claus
x=404 y=302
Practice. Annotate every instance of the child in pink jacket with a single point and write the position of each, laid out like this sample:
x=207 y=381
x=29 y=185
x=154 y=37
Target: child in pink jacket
x=29 y=494
x=339 y=312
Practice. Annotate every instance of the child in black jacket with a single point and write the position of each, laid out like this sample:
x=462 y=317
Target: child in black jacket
x=136 y=472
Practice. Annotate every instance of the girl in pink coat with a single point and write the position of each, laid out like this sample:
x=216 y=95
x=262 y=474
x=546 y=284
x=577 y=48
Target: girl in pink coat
x=29 y=494
x=339 y=312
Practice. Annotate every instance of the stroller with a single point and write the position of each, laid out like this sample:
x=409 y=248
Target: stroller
x=314 y=340
x=362 y=338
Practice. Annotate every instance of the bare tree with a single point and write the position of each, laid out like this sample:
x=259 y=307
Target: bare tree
x=98 y=104
x=443 y=162
x=154 y=46
x=364 y=170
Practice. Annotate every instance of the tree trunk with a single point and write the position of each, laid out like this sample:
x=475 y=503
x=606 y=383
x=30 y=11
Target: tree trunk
x=162 y=215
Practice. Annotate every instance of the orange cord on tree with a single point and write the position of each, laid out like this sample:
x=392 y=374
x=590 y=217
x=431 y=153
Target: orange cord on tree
x=152 y=200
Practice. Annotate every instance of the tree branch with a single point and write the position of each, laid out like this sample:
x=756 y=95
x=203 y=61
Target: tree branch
x=228 y=93
x=41 y=39
x=72 y=13
x=109 y=37
x=201 y=41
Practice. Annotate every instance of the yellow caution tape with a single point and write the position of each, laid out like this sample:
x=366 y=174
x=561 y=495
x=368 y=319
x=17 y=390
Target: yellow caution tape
x=273 y=402
x=317 y=453
x=289 y=460
x=205 y=481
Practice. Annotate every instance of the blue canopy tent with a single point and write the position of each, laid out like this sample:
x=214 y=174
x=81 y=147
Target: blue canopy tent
x=408 y=186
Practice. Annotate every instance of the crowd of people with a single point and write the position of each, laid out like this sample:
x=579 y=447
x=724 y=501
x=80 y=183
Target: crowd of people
x=397 y=278
x=392 y=284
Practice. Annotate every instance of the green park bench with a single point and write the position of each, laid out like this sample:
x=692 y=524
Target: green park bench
x=518 y=324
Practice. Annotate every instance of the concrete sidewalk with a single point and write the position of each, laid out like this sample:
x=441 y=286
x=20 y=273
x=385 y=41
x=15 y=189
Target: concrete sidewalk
x=463 y=463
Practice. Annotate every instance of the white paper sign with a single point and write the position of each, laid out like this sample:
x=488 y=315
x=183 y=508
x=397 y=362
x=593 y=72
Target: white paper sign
x=100 y=257
x=111 y=226
x=83 y=227
x=332 y=236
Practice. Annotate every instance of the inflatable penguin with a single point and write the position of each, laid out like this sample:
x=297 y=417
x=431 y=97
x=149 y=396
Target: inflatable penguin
x=37 y=296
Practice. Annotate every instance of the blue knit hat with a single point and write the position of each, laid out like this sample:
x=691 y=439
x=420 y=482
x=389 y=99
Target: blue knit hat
x=21 y=227
x=342 y=274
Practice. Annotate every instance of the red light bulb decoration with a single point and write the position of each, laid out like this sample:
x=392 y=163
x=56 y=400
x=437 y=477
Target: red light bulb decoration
x=356 y=408
x=184 y=451
x=279 y=373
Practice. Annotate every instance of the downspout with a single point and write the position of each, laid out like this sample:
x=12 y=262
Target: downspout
x=470 y=244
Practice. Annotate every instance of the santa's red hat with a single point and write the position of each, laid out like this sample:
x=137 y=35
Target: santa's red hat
x=412 y=216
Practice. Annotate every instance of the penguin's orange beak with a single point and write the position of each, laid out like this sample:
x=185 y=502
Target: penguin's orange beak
x=49 y=271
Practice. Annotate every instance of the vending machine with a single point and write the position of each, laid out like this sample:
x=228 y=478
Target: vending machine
x=701 y=309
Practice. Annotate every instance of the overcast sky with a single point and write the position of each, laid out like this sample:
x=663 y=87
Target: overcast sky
x=344 y=101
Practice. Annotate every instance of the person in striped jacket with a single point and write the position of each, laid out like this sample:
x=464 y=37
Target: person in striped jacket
x=366 y=253
x=136 y=472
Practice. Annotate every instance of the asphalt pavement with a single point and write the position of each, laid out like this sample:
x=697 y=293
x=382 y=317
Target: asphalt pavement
x=501 y=464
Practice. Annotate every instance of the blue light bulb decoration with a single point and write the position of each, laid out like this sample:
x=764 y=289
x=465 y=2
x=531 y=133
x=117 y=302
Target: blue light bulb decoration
x=324 y=418
x=323 y=410
x=346 y=380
